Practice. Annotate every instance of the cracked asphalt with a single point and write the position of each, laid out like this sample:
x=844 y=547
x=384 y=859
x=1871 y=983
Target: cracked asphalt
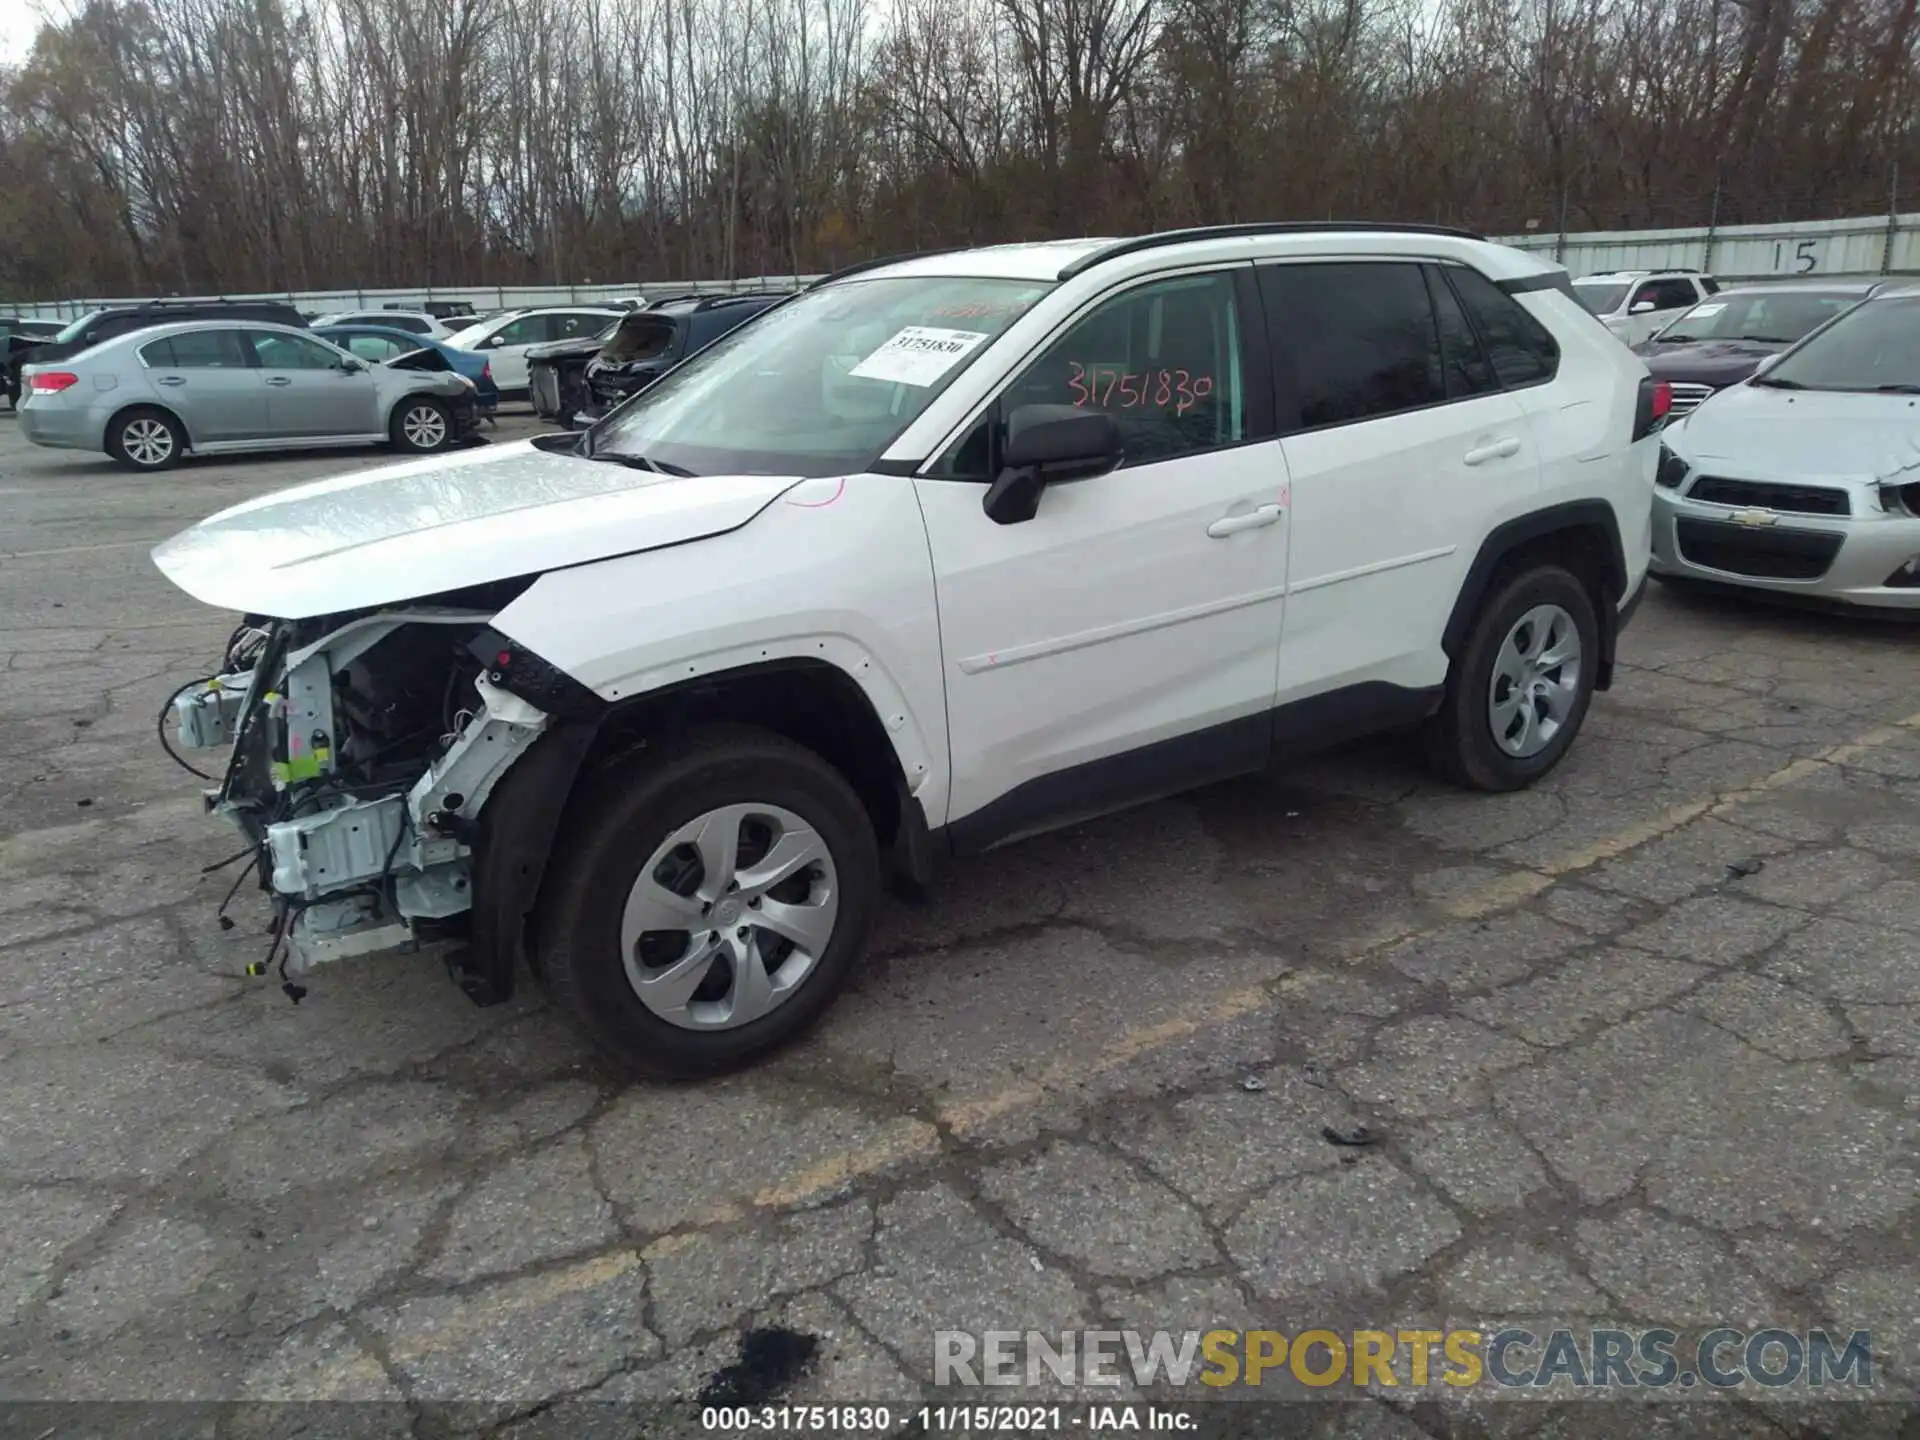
x=1639 y=1046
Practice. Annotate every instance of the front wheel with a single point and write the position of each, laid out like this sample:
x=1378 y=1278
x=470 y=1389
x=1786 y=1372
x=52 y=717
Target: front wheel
x=712 y=903
x=1521 y=687
x=422 y=425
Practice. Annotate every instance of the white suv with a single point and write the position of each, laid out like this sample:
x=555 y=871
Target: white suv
x=939 y=553
x=1637 y=304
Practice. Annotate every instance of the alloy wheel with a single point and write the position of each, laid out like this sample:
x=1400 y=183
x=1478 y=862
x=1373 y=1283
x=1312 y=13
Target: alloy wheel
x=424 y=426
x=147 y=442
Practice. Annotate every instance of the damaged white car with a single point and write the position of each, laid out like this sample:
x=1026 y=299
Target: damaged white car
x=937 y=554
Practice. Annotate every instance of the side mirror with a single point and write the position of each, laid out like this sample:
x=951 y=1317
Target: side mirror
x=352 y=366
x=1049 y=445
x=1641 y=307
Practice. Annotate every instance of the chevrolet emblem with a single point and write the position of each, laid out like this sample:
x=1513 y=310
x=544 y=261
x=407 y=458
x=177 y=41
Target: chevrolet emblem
x=1754 y=517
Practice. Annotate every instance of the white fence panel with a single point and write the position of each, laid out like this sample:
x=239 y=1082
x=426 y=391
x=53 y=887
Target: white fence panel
x=1863 y=248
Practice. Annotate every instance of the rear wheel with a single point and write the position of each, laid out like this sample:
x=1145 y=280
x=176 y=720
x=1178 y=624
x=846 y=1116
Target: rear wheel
x=712 y=903
x=422 y=425
x=1521 y=687
x=145 y=439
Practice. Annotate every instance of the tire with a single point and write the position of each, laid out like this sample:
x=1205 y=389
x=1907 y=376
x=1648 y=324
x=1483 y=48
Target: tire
x=1540 y=608
x=146 y=438
x=593 y=917
x=421 y=425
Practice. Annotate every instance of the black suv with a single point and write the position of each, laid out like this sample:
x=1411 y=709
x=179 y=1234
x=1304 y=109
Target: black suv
x=575 y=381
x=15 y=331
x=90 y=329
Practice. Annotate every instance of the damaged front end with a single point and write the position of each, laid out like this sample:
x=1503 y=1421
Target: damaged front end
x=366 y=749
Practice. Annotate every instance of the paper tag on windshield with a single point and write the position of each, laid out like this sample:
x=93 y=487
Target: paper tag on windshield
x=1700 y=312
x=918 y=355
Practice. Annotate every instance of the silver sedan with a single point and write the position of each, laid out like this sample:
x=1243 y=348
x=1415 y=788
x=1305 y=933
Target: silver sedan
x=214 y=387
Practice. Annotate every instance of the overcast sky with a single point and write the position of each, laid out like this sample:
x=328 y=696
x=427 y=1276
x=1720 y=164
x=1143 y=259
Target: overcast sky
x=19 y=20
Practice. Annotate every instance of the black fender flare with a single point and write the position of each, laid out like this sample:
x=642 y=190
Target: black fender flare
x=517 y=829
x=1590 y=516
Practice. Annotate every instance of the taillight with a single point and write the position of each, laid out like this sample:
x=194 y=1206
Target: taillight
x=51 y=381
x=486 y=370
x=1655 y=403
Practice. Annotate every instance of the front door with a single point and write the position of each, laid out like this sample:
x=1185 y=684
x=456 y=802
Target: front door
x=1401 y=442
x=207 y=378
x=1122 y=642
x=311 y=394
x=506 y=349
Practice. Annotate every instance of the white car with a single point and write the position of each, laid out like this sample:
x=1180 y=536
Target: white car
x=1805 y=480
x=505 y=339
x=1638 y=304
x=416 y=322
x=937 y=554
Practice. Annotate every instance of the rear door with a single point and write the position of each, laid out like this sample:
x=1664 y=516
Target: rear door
x=1399 y=442
x=310 y=392
x=208 y=379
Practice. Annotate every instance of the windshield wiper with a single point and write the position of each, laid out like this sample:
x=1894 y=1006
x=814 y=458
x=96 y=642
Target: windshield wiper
x=640 y=462
x=1897 y=389
x=1776 y=384
x=1767 y=339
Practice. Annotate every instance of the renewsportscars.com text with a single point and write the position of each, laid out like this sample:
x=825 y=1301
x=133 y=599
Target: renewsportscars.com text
x=1560 y=1359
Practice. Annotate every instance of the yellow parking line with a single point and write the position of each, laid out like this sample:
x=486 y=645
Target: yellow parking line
x=915 y=1139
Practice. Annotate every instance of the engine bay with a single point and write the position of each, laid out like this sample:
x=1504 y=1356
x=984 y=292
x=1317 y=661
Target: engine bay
x=363 y=748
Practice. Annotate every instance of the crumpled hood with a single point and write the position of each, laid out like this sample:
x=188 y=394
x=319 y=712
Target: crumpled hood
x=1755 y=432
x=1705 y=362
x=443 y=523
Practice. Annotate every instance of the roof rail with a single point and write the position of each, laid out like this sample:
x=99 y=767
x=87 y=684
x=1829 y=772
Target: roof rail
x=1259 y=227
x=862 y=266
x=714 y=302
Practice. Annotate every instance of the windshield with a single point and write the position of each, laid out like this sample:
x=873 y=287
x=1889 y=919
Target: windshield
x=821 y=384
x=1779 y=318
x=1875 y=346
x=73 y=331
x=1600 y=299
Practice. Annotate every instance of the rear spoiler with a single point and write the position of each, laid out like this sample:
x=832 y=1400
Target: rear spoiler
x=1554 y=279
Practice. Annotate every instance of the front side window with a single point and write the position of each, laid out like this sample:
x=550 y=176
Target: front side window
x=527 y=330
x=1163 y=359
x=1353 y=340
x=1666 y=294
x=822 y=384
x=291 y=352
x=1875 y=346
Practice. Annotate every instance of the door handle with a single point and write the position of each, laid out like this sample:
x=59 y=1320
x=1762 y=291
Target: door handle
x=171 y=380
x=1252 y=520
x=1501 y=449
x=279 y=380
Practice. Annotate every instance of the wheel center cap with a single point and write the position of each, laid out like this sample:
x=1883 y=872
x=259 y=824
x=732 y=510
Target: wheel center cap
x=727 y=912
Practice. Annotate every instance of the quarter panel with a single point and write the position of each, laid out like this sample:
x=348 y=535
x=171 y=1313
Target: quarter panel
x=834 y=570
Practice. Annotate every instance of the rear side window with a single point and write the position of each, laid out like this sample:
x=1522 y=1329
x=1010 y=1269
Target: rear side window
x=1467 y=369
x=197 y=350
x=1352 y=340
x=1521 y=349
